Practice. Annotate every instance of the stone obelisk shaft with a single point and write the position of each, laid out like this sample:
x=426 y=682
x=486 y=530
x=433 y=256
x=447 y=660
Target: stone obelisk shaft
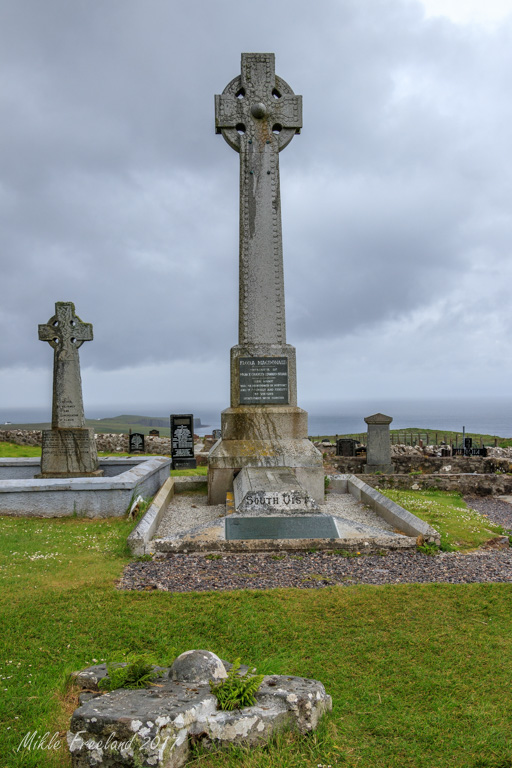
x=262 y=310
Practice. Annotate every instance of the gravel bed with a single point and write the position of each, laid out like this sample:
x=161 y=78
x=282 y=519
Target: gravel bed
x=498 y=511
x=188 y=510
x=198 y=573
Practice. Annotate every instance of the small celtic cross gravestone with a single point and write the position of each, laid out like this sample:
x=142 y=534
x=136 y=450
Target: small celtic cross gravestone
x=258 y=115
x=68 y=448
x=65 y=333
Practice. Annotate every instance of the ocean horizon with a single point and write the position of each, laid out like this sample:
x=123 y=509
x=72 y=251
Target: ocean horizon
x=485 y=416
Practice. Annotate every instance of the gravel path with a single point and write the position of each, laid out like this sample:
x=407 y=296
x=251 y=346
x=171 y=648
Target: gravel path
x=197 y=573
x=200 y=573
x=498 y=511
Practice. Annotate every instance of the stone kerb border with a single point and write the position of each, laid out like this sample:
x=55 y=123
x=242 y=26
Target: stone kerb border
x=147 y=526
x=392 y=512
x=109 y=496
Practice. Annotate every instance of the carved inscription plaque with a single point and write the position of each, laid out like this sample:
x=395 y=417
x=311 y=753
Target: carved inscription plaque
x=263 y=380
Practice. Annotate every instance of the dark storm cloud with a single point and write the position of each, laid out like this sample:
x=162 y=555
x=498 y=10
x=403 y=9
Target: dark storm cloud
x=116 y=194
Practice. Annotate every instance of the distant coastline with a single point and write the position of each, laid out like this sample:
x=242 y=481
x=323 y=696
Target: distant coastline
x=492 y=416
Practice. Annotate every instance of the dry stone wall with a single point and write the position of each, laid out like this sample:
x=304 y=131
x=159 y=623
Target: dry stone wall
x=111 y=443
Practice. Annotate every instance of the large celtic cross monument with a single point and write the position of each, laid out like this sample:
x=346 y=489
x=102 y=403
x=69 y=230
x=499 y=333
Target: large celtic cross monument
x=68 y=448
x=258 y=115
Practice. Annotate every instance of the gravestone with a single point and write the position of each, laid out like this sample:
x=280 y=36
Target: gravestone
x=69 y=447
x=136 y=442
x=182 y=441
x=378 y=449
x=154 y=432
x=346 y=446
x=258 y=115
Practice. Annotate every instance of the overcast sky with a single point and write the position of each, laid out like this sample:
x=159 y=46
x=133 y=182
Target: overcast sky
x=116 y=194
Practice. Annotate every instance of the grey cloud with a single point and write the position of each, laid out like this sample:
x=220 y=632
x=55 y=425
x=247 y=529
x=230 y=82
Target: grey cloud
x=117 y=194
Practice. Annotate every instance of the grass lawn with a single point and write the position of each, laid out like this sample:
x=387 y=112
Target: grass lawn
x=460 y=527
x=419 y=675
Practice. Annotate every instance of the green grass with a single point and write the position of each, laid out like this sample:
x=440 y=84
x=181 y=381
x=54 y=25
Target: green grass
x=13 y=451
x=461 y=528
x=203 y=471
x=418 y=674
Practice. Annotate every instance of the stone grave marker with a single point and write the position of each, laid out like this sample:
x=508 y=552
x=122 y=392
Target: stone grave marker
x=69 y=447
x=378 y=449
x=258 y=115
x=136 y=442
x=182 y=441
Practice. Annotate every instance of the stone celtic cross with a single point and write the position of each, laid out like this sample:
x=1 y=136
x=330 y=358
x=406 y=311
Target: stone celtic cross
x=258 y=115
x=65 y=332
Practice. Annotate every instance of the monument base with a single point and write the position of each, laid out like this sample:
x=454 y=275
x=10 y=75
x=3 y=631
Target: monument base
x=383 y=469
x=264 y=436
x=69 y=453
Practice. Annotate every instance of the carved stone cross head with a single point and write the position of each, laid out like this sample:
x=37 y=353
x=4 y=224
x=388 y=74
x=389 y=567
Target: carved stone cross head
x=65 y=331
x=258 y=106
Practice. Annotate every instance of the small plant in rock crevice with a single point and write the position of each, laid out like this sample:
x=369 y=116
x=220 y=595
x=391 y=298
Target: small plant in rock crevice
x=428 y=548
x=236 y=692
x=137 y=672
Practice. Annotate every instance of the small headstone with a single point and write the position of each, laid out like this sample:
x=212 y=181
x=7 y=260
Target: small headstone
x=378 y=450
x=264 y=491
x=154 y=432
x=304 y=527
x=69 y=447
x=182 y=441
x=346 y=446
x=136 y=442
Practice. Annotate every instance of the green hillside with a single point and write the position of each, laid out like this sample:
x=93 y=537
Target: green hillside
x=117 y=424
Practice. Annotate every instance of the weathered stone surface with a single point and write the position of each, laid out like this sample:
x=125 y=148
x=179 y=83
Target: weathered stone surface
x=378 y=452
x=258 y=114
x=268 y=491
x=198 y=667
x=68 y=449
x=156 y=725
x=69 y=453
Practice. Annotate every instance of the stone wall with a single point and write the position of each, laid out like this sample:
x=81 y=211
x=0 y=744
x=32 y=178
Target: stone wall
x=109 y=443
x=20 y=436
x=429 y=464
x=467 y=485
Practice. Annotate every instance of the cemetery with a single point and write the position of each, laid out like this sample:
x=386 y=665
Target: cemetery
x=265 y=497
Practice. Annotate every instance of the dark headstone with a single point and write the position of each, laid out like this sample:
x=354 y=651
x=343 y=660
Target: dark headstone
x=303 y=527
x=346 y=446
x=154 y=432
x=136 y=442
x=182 y=441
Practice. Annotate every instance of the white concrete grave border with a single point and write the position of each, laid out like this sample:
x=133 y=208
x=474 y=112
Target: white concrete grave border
x=141 y=540
x=21 y=495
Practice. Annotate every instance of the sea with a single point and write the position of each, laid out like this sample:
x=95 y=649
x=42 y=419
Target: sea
x=489 y=416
